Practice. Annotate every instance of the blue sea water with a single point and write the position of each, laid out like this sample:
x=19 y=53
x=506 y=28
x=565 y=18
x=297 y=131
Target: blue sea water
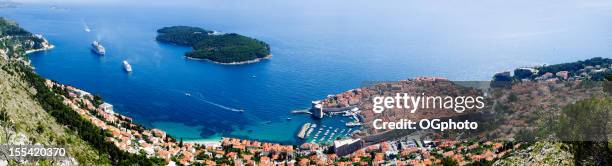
x=318 y=47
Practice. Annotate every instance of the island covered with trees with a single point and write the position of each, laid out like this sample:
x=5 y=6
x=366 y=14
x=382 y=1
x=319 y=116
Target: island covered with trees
x=223 y=48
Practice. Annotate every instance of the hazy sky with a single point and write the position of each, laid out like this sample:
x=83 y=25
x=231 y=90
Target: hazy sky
x=449 y=19
x=367 y=3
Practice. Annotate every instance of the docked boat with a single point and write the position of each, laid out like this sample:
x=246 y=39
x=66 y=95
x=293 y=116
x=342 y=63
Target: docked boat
x=98 y=48
x=127 y=66
x=353 y=124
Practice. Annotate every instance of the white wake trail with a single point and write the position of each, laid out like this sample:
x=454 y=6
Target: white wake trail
x=201 y=98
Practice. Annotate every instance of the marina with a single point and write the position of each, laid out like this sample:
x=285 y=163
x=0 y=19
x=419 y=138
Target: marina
x=326 y=134
x=349 y=119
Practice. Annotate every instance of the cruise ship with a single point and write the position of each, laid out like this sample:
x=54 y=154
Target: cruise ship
x=98 y=48
x=127 y=66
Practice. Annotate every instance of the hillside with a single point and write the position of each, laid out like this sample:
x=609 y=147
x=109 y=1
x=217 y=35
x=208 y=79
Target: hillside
x=214 y=46
x=27 y=123
x=541 y=153
x=22 y=118
x=32 y=113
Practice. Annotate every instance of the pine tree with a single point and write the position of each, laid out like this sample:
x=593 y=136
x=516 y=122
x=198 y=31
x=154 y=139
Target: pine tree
x=181 y=142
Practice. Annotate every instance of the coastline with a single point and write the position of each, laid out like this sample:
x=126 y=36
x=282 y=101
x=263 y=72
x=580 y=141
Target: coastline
x=205 y=142
x=40 y=49
x=233 y=63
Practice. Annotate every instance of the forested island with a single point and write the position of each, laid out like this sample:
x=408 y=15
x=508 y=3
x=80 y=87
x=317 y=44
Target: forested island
x=230 y=48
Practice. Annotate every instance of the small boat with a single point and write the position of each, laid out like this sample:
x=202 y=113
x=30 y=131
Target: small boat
x=127 y=66
x=253 y=76
x=187 y=94
x=288 y=118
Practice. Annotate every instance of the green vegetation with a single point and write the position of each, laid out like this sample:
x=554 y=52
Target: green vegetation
x=447 y=161
x=11 y=28
x=595 y=68
x=11 y=35
x=586 y=126
x=574 y=67
x=546 y=153
x=222 y=48
x=21 y=115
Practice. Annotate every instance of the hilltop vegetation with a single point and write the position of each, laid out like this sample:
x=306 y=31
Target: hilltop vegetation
x=575 y=67
x=14 y=39
x=593 y=69
x=209 y=45
x=11 y=28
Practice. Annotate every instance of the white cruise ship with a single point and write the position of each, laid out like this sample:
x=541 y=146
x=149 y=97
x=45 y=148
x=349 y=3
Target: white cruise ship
x=98 y=48
x=127 y=66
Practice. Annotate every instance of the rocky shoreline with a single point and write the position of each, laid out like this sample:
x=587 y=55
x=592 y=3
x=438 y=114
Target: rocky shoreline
x=47 y=47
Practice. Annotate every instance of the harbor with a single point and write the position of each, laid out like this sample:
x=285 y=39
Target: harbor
x=347 y=121
x=324 y=134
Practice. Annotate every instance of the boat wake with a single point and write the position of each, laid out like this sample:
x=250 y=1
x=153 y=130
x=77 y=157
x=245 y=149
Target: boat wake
x=85 y=26
x=201 y=98
x=87 y=29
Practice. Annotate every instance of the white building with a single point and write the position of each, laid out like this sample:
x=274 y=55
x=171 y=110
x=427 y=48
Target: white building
x=82 y=93
x=108 y=108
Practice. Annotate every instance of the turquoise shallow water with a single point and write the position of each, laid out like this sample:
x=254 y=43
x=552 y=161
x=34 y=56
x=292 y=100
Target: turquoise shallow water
x=319 y=48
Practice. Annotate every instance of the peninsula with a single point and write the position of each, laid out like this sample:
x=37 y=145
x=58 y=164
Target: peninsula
x=222 y=48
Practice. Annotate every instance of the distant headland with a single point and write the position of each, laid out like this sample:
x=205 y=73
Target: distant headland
x=222 y=48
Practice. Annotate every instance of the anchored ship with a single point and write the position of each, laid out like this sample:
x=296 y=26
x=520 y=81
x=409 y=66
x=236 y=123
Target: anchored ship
x=127 y=66
x=98 y=48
